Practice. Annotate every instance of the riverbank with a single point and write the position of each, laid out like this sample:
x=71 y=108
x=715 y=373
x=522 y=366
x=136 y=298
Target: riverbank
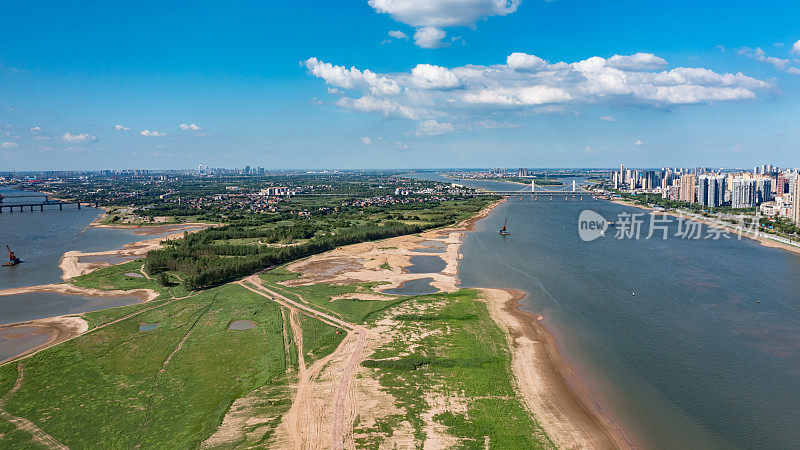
x=764 y=239
x=551 y=388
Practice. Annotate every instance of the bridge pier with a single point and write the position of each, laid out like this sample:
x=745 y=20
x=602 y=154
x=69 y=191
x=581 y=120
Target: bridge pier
x=60 y=206
x=79 y=205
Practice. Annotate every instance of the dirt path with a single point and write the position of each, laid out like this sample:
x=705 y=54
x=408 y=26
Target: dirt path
x=320 y=407
x=24 y=424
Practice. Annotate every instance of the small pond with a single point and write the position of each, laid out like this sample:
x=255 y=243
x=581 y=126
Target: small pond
x=421 y=286
x=145 y=327
x=241 y=325
x=426 y=264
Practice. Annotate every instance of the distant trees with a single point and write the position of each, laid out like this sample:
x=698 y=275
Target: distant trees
x=205 y=263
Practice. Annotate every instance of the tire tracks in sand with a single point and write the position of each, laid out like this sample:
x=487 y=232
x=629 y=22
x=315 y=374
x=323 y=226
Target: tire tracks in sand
x=324 y=402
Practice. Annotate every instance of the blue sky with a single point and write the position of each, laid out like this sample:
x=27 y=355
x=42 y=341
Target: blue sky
x=240 y=78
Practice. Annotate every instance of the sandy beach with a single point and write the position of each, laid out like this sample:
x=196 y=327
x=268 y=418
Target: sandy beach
x=551 y=388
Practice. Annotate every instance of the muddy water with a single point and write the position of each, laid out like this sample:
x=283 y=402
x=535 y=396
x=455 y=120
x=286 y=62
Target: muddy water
x=420 y=286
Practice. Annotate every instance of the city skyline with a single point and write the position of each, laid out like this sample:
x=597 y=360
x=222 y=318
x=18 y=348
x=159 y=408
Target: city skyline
x=492 y=86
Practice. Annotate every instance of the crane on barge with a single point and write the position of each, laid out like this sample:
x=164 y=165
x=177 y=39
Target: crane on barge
x=504 y=231
x=12 y=258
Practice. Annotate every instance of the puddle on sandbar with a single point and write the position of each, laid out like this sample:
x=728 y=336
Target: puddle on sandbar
x=145 y=327
x=132 y=274
x=426 y=264
x=420 y=286
x=431 y=247
x=16 y=340
x=241 y=325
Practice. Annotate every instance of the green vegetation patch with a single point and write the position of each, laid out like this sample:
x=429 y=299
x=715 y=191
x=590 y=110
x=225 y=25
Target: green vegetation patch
x=447 y=346
x=113 y=387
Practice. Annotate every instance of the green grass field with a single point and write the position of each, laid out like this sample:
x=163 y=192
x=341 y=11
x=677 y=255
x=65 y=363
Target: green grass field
x=107 y=389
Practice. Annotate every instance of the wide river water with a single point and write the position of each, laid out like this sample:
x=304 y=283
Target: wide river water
x=39 y=240
x=686 y=343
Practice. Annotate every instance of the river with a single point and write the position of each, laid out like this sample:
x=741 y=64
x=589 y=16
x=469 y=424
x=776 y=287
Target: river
x=686 y=343
x=39 y=240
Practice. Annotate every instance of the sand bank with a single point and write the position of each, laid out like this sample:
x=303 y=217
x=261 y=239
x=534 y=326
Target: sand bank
x=57 y=329
x=144 y=295
x=72 y=266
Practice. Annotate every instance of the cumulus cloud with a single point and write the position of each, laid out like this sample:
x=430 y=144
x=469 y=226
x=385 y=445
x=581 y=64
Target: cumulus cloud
x=608 y=118
x=530 y=84
x=189 y=126
x=426 y=76
x=397 y=34
x=35 y=129
x=639 y=143
x=121 y=127
x=148 y=133
x=796 y=48
x=366 y=140
x=9 y=145
x=430 y=37
x=430 y=16
x=78 y=138
x=432 y=127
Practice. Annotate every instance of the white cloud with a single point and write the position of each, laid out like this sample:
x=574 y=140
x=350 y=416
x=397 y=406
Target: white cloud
x=189 y=126
x=759 y=55
x=342 y=77
x=426 y=76
x=35 y=129
x=432 y=127
x=82 y=137
x=639 y=143
x=639 y=61
x=526 y=83
x=430 y=37
x=796 y=48
x=9 y=145
x=148 y=133
x=524 y=61
x=397 y=34
x=430 y=16
x=443 y=13
x=121 y=127
x=608 y=118
x=366 y=140
x=399 y=144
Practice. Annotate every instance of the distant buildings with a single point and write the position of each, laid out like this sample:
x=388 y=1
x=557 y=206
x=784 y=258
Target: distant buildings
x=522 y=173
x=768 y=185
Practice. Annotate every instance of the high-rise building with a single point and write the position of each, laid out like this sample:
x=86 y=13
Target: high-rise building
x=687 y=191
x=763 y=190
x=522 y=173
x=744 y=192
x=796 y=201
